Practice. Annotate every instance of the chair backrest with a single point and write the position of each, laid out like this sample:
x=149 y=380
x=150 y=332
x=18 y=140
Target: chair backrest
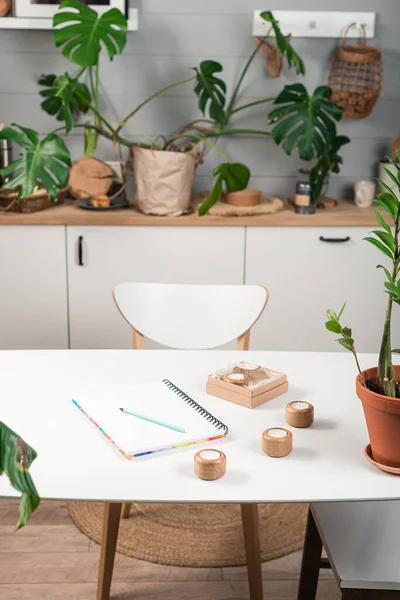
x=190 y=317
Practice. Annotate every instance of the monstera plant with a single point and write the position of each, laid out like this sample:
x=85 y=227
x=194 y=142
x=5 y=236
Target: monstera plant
x=82 y=34
x=44 y=162
x=301 y=122
x=15 y=459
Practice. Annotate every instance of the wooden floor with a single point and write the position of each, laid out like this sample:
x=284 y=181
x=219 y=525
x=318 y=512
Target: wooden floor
x=51 y=560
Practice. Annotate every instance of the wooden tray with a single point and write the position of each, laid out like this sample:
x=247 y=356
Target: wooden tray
x=250 y=398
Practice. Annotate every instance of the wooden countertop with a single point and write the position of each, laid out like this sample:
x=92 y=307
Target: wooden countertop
x=345 y=214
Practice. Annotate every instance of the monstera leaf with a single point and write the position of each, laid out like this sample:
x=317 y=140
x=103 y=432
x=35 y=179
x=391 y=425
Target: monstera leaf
x=304 y=122
x=211 y=90
x=284 y=44
x=235 y=176
x=329 y=160
x=42 y=162
x=64 y=96
x=83 y=32
x=15 y=459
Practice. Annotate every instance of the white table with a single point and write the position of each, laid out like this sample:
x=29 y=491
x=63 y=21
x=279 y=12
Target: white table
x=76 y=463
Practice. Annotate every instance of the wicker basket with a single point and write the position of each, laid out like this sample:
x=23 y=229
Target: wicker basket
x=356 y=77
x=37 y=201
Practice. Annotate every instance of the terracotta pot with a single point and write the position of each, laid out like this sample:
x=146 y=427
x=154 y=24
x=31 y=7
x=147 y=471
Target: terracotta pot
x=247 y=197
x=383 y=420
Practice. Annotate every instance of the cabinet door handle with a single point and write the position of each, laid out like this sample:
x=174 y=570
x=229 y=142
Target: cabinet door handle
x=80 y=251
x=335 y=240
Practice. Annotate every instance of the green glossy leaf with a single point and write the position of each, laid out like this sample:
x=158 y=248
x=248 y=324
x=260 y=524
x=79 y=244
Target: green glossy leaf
x=64 y=97
x=304 y=122
x=396 y=350
x=386 y=238
x=212 y=198
x=235 y=176
x=393 y=177
x=42 y=162
x=346 y=344
x=346 y=332
x=342 y=310
x=387 y=188
x=389 y=203
x=380 y=246
x=382 y=221
x=333 y=326
x=391 y=288
x=286 y=48
x=331 y=315
x=211 y=91
x=387 y=272
x=15 y=459
x=83 y=33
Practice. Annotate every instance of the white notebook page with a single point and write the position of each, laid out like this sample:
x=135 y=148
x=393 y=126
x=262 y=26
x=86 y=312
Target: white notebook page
x=155 y=400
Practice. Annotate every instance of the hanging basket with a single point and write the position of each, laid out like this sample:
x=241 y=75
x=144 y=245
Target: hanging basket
x=356 y=77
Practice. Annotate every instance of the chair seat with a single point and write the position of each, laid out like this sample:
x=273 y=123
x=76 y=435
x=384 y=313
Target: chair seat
x=362 y=540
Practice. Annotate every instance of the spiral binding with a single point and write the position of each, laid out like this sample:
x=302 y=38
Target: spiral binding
x=202 y=411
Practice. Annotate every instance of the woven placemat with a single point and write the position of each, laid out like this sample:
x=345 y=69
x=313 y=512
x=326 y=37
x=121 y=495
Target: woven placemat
x=196 y=535
x=268 y=206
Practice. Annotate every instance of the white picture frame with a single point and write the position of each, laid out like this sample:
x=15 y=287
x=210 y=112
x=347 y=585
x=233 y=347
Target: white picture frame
x=27 y=8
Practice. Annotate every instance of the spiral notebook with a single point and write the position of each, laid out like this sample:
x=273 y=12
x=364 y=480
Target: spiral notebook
x=161 y=400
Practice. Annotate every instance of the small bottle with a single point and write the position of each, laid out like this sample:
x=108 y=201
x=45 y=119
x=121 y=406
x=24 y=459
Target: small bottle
x=304 y=204
x=5 y=155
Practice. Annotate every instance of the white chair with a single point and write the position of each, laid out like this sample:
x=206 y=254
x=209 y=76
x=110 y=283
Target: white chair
x=362 y=541
x=198 y=317
x=190 y=317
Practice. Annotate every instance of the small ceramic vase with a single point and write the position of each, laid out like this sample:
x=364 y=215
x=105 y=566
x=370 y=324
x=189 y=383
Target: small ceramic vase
x=364 y=193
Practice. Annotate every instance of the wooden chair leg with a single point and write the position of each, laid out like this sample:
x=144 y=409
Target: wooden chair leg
x=252 y=547
x=310 y=564
x=126 y=510
x=112 y=515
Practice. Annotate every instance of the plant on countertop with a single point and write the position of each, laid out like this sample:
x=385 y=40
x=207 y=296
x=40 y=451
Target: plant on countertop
x=15 y=459
x=379 y=388
x=304 y=122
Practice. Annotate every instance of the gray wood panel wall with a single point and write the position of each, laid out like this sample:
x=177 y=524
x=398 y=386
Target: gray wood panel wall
x=175 y=35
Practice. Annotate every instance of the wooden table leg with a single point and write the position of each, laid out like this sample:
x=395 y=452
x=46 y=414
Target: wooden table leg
x=311 y=561
x=252 y=546
x=112 y=515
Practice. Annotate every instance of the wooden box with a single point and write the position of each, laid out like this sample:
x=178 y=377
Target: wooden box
x=250 y=398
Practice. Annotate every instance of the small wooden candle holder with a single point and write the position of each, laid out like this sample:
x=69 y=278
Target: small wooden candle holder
x=209 y=464
x=299 y=414
x=236 y=378
x=277 y=442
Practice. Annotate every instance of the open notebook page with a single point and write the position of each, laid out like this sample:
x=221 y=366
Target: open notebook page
x=160 y=400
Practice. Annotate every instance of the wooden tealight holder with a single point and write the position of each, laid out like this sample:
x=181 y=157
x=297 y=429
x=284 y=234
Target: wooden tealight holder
x=210 y=464
x=299 y=414
x=277 y=442
x=236 y=378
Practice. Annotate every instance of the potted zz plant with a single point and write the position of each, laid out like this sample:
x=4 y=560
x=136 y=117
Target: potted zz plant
x=379 y=387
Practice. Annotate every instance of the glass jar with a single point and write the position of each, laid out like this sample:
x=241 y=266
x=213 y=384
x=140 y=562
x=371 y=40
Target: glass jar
x=303 y=202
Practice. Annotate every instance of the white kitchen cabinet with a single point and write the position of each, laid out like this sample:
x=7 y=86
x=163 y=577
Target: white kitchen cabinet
x=111 y=255
x=33 y=298
x=306 y=275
